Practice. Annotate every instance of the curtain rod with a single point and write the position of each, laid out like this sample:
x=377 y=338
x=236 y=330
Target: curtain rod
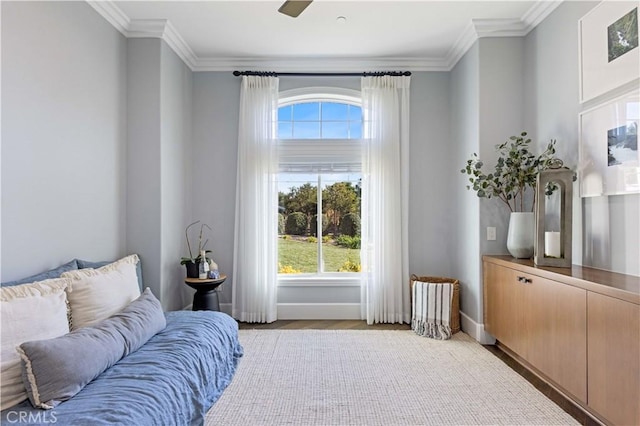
x=323 y=74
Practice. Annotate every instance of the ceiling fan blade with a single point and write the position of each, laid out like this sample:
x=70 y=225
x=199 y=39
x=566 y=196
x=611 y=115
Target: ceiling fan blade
x=294 y=8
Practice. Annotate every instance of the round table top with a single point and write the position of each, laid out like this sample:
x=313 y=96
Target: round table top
x=197 y=281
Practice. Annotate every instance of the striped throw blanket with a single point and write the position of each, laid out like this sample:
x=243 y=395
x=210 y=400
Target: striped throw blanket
x=431 y=309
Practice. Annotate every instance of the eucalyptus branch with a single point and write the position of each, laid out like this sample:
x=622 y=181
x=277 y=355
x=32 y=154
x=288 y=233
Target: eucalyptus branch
x=515 y=171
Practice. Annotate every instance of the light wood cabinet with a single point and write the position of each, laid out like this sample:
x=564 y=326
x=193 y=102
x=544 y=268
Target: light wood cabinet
x=504 y=301
x=542 y=321
x=578 y=328
x=614 y=359
x=557 y=333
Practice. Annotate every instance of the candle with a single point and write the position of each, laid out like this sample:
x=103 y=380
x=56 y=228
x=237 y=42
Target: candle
x=552 y=244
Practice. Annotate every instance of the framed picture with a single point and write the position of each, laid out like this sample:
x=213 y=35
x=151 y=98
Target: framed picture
x=609 y=156
x=609 y=52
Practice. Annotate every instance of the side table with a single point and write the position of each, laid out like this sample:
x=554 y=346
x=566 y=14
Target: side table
x=206 y=296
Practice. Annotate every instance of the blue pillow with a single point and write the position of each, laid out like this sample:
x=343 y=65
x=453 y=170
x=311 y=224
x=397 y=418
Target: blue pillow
x=83 y=264
x=54 y=370
x=52 y=273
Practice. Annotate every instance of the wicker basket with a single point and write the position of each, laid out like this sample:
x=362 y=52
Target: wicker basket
x=455 y=303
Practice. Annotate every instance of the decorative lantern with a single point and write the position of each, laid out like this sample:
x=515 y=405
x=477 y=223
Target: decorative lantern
x=554 y=195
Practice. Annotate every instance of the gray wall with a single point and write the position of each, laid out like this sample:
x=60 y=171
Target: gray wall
x=159 y=179
x=606 y=229
x=96 y=144
x=465 y=211
x=63 y=136
x=486 y=108
x=175 y=175
x=216 y=104
x=143 y=157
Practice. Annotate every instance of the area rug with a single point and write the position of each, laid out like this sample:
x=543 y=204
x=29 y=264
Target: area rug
x=349 y=377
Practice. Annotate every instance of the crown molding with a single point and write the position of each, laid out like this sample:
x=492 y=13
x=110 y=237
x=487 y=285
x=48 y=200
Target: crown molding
x=319 y=64
x=499 y=28
x=147 y=28
x=479 y=28
x=113 y=14
x=538 y=12
x=180 y=46
x=163 y=29
x=464 y=42
x=476 y=29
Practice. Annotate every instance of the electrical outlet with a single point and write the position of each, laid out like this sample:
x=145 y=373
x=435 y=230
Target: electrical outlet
x=491 y=233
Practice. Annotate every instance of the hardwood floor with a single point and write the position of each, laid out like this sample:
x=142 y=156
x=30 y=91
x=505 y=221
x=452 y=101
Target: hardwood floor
x=322 y=325
x=551 y=393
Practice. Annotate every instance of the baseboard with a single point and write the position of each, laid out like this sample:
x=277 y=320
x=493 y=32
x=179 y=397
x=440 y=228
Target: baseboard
x=226 y=308
x=312 y=311
x=319 y=311
x=351 y=311
x=476 y=330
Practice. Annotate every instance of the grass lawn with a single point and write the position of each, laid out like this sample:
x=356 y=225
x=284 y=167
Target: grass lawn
x=302 y=255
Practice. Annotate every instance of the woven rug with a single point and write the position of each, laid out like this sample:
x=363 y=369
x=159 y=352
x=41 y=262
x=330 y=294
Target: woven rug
x=348 y=377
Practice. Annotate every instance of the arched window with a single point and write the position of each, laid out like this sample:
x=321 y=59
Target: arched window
x=320 y=133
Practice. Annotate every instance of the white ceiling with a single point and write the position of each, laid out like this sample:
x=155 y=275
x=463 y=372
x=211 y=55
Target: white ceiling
x=415 y=34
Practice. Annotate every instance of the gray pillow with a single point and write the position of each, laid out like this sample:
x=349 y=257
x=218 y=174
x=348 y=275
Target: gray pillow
x=83 y=264
x=54 y=370
x=52 y=273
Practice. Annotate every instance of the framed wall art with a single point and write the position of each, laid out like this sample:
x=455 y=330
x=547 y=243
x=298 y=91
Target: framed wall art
x=609 y=157
x=609 y=52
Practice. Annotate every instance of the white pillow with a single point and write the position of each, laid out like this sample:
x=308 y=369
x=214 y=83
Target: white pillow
x=34 y=311
x=96 y=294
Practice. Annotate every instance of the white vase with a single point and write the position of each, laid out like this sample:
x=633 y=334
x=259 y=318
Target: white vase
x=521 y=235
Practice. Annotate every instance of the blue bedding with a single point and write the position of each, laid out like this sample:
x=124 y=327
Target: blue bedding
x=172 y=380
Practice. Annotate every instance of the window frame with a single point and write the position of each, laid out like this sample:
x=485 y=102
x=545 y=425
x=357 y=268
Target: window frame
x=320 y=94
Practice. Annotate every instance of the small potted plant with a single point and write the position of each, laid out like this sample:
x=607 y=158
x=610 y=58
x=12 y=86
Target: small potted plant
x=515 y=171
x=191 y=262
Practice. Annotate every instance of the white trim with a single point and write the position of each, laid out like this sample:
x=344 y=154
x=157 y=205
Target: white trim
x=466 y=39
x=538 y=12
x=311 y=311
x=320 y=94
x=112 y=14
x=476 y=330
x=163 y=29
x=319 y=311
x=477 y=28
x=320 y=64
x=319 y=281
x=147 y=28
x=500 y=28
x=226 y=308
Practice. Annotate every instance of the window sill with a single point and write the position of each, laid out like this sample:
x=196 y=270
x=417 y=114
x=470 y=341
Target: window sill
x=311 y=280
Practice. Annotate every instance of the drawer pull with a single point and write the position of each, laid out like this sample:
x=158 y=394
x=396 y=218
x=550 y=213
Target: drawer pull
x=524 y=280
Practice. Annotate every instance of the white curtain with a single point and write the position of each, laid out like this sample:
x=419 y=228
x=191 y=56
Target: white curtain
x=256 y=227
x=385 y=200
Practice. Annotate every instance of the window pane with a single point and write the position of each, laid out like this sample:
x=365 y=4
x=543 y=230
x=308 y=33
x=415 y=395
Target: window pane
x=309 y=111
x=334 y=112
x=284 y=113
x=335 y=130
x=355 y=130
x=306 y=130
x=341 y=208
x=285 y=130
x=355 y=113
x=297 y=245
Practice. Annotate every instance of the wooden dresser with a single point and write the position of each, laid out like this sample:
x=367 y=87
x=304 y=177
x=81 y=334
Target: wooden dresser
x=577 y=328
